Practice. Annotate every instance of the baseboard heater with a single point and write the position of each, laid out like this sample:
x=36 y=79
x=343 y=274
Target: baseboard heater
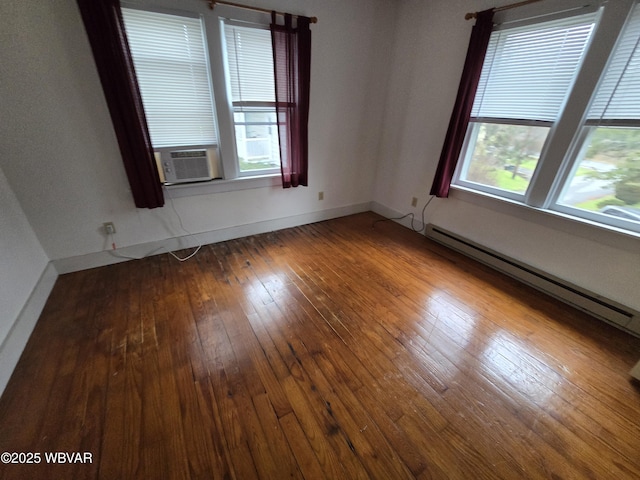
x=592 y=303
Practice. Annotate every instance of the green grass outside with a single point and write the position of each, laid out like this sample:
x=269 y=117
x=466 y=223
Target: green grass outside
x=505 y=181
x=246 y=166
x=592 y=205
x=519 y=184
x=530 y=164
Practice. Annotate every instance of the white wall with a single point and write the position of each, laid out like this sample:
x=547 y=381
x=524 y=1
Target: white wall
x=22 y=260
x=62 y=158
x=428 y=57
x=25 y=280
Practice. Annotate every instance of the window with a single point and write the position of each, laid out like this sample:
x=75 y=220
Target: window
x=170 y=59
x=525 y=79
x=250 y=67
x=545 y=132
x=605 y=175
x=207 y=86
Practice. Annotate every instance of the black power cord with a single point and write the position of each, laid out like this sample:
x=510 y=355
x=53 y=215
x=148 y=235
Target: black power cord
x=409 y=215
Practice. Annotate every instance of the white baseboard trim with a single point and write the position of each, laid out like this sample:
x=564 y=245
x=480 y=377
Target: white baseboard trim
x=13 y=344
x=109 y=257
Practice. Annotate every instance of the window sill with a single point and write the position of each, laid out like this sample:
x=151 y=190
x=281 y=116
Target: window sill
x=221 y=186
x=604 y=234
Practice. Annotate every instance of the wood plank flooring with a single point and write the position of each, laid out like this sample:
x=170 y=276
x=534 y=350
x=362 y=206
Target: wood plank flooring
x=333 y=350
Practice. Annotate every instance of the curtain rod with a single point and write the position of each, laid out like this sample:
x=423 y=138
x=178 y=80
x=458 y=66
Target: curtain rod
x=212 y=4
x=469 y=16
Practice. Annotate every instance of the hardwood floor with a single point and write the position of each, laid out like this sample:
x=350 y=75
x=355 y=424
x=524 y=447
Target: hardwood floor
x=333 y=350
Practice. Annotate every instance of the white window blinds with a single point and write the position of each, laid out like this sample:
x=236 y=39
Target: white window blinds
x=618 y=95
x=528 y=70
x=169 y=56
x=250 y=61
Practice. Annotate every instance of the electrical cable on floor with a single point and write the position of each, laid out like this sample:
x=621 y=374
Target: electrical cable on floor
x=185 y=230
x=409 y=215
x=113 y=252
x=111 y=238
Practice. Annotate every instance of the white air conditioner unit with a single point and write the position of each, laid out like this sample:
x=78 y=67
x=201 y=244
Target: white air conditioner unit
x=188 y=165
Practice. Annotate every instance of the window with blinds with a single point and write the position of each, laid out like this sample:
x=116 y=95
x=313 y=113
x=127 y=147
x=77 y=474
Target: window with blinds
x=617 y=99
x=526 y=77
x=170 y=58
x=555 y=123
x=250 y=64
x=528 y=70
x=250 y=71
x=604 y=183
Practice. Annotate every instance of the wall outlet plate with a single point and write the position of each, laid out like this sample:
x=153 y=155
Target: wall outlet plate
x=109 y=228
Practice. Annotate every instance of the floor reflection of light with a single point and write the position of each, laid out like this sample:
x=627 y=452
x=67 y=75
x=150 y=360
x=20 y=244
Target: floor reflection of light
x=448 y=326
x=445 y=313
x=516 y=364
x=476 y=346
x=275 y=285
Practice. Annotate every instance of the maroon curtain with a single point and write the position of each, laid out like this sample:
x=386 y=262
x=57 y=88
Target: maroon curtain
x=464 y=102
x=292 y=72
x=105 y=28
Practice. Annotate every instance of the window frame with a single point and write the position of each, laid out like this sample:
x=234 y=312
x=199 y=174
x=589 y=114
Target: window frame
x=561 y=151
x=213 y=31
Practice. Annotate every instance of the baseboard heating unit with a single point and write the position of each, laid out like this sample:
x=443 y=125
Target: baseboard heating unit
x=592 y=303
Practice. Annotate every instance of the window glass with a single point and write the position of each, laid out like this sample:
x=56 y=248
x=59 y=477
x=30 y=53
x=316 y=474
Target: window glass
x=505 y=156
x=606 y=176
x=257 y=138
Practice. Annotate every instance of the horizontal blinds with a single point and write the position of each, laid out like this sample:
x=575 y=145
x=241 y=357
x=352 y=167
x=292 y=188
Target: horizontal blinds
x=250 y=62
x=618 y=95
x=528 y=70
x=171 y=66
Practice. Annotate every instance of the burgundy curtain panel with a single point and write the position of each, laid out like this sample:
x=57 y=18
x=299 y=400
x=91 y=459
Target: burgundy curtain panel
x=464 y=102
x=105 y=29
x=292 y=72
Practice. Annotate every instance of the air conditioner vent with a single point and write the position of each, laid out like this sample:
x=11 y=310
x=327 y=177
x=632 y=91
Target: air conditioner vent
x=181 y=166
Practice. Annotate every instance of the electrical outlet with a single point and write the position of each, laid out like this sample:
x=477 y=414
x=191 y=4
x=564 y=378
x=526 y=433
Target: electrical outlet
x=109 y=228
x=414 y=202
x=320 y=195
